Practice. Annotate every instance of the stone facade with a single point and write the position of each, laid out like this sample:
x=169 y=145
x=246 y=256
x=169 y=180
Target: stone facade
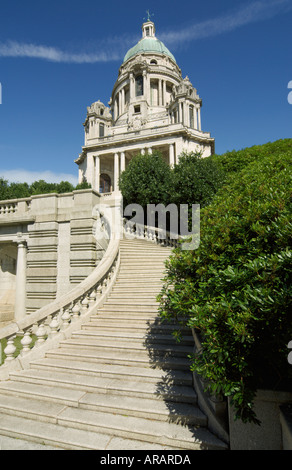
x=48 y=245
x=151 y=107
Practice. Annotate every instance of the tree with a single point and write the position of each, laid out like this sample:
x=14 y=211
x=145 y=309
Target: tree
x=146 y=180
x=23 y=190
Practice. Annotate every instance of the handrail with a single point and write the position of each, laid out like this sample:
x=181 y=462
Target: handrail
x=36 y=328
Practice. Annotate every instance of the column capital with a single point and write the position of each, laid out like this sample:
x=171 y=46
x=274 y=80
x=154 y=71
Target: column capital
x=21 y=242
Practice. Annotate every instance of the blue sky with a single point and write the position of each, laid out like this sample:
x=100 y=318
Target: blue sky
x=58 y=57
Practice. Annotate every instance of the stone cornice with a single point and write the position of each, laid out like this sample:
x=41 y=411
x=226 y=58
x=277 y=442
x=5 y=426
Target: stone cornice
x=145 y=135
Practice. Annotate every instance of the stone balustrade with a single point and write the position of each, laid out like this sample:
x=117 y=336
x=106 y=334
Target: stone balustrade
x=152 y=234
x=46 y=327
x=14 y=207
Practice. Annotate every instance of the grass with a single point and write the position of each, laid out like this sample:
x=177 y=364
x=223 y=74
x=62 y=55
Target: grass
x=17 y=344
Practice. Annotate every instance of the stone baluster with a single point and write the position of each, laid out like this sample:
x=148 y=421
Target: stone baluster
x=84 y=305
x=76 y=310
x=54 y=325
x=26 y=341
x=41 y=334
x=10 y=349
x=66 y=317
x=92 y=298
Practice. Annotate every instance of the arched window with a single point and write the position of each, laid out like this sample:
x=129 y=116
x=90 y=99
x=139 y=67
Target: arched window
x=139 y=85
x=105 y=183
x=101 y=130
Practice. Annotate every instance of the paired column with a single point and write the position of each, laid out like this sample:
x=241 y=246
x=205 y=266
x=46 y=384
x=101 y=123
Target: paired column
x=97 y=173
x=123 y=162
x=20 y=295
x=199 y=119
x=171 y=155
x=116 y=172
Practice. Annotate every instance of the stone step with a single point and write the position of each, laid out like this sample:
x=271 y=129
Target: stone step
x=124 y=298
x=79 y=429
x=139 y=293
x=178 y=377
x=151 y=307
x=159 y=410
x=170 y=434
x=144 y=246
x=50 y=434
x=116 y=357
x=67 y=388
x=135 y=290
x=132 y=347
x=134 y=336
x=146 y=316
x=127 y=327
x=141 y=250
x=130 y=304
x=131 y=314
x=143 y=268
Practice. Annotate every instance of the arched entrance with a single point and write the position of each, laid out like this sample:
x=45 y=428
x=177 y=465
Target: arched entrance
x=105 y=183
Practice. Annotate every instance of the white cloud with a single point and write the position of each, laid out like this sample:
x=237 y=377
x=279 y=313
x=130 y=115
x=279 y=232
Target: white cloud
x=24 y=176
x=250 y=13
x=113 y=47
x=16 y=49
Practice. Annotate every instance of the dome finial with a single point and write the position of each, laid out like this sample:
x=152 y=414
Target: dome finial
x=148 y=16
x=148 y=27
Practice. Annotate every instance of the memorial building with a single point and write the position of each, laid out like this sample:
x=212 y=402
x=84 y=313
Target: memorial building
x=152 y=107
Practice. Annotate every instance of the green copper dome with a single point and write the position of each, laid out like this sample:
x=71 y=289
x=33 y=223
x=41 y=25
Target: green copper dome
x=148 y=44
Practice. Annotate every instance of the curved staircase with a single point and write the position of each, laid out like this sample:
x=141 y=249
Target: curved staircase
x=119 y=383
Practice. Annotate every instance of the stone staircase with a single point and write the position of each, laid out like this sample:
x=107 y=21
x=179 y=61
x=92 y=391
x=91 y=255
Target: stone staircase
x=119 y=383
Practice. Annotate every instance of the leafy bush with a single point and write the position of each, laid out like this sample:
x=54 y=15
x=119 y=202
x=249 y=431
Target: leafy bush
x=235 y=290
x=234 y=161
x=195 y=180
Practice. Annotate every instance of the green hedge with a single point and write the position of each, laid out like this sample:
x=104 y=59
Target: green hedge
x=235 y=289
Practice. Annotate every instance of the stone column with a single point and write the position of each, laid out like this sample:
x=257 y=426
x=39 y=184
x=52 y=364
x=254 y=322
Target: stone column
x=123 y=101
x=120 y=103
x=131 y=86
x=195 y=118
x=97 y=173
x=90 y=169
x=145 y=85
x=115 y=109
x=159 y=93
x=116 y=172
x=171 y=154
x=123 y=161
x=149 y=90
x=199 y=119
x=20 y=288
x=186 y=114
x=164 y=92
